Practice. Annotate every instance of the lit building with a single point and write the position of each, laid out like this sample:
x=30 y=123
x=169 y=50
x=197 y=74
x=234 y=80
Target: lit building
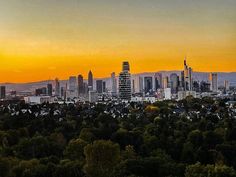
x=2 y=92
x=90 y=80
x=125 y=82
x=213 y=80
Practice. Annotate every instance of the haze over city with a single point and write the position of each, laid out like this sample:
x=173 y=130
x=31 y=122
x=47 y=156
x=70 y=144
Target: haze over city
x=44 y=39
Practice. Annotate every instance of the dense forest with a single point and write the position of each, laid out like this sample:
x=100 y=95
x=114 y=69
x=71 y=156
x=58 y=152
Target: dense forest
x=188 y=138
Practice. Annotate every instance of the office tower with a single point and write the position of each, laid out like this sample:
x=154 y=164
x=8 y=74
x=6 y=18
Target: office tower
x=86 y=88
x=174 y=80
x=196 y=86
x=166 y=82
x=213 y=80
x=80 y=85
x=2 y=92
x=205 y=87
x=158 y=80
x=140 y=85
x=57 y=87
x=72 y=89
x=187 y=77
x=125 y=82
x=99 y=86
x=125 y=66
x=90 y=80
x=49 y=89
x=63 y=93
x=104 y=87
x=148 y=84
x=226 y=85
x=113 y=84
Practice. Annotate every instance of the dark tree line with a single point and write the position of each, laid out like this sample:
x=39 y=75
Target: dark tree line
x=191 y=138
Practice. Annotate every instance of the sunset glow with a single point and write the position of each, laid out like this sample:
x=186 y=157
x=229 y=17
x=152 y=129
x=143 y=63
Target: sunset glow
x=44 y=39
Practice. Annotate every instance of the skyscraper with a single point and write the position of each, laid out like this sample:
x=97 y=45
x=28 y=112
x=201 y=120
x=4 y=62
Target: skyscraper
x=81 y=90
x=213 y=80
x=187 y=77
x=49 y=89
x=174 y=80
x=166 y=82
x=72 y=87
x=57 y=87
x=113 y=84
x=125 y=82
x=2 y=92
x=226 y=85
x=158 y=80
x=148 y=84
x=90 y=80
x=99 y=86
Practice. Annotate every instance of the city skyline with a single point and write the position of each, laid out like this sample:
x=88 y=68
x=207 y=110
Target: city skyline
x=42 y=40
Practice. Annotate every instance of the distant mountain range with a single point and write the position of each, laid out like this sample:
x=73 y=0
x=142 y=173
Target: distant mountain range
x=199 y=76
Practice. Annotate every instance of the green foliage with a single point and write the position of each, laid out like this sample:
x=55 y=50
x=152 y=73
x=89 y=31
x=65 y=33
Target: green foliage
x=119 y=140
x=198 y=170
x=101 y=158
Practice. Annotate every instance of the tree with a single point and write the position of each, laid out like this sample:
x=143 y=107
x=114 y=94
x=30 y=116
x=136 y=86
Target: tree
x=75 y=149
x=198 y=170
x=101 y=158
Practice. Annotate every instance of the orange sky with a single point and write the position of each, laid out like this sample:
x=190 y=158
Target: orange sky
x=42 y=40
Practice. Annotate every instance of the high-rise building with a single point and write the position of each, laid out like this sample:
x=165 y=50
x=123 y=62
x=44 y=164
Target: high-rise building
x=148 y=84
x=226 y=85
x=2 y=92
x=104 y=86
x=205 y=87
x=72 y=87
x=90 y=80
x=158 y=80
x=113 y=84
x=125 y=82
x=63 y=93
x=57 y=87
x=49 y=89
x=99 y=86
x=125 y=66
x=187 y=77
x=213 y=80
x=174 y=80
x=166 y=82
x=80 y=85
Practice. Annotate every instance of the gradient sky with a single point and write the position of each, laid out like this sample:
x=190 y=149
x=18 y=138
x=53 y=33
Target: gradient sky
x=44 y=39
